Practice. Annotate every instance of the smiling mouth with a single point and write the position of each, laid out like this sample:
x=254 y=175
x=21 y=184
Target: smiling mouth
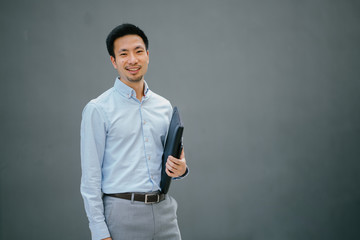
x=133 y=70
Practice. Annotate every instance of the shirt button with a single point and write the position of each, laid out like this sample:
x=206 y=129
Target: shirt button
x=149 y=157
x=146 y=139
x=144 y=122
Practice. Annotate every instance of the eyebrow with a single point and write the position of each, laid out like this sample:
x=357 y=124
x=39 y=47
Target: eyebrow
x=126 y=50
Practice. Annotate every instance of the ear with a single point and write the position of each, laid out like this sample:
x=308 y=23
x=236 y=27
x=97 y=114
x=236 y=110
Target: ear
x=147 y=52
x=113 y=61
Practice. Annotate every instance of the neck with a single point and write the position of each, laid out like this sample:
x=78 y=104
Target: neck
x=137 y=86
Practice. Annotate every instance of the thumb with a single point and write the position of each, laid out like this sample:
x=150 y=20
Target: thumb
x=182 y=155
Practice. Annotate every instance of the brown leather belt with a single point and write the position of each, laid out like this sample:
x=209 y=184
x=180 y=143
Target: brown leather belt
x=146 y=198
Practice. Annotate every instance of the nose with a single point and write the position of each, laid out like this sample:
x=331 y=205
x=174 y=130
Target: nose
x=132 y=59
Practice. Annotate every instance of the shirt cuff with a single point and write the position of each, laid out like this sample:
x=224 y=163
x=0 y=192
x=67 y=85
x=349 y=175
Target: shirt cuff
x=184 y=175
x=99 y=231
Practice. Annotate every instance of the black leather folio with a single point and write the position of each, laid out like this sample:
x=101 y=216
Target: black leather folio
x=173 y=147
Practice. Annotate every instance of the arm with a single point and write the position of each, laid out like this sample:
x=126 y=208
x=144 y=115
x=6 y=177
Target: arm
x=93 y=136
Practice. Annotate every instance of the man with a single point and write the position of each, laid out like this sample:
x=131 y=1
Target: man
x=122 y=142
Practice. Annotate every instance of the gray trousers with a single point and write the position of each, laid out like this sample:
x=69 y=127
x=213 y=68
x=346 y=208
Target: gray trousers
x=132 y=220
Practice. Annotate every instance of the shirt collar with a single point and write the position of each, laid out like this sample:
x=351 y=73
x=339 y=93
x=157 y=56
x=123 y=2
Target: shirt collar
x=127 y=91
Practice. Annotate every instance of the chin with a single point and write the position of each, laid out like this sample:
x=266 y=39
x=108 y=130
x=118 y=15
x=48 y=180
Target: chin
x=134 y=80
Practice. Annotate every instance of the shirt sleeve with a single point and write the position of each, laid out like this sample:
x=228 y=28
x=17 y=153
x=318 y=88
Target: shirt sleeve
x=184 y=175
x=93 y=136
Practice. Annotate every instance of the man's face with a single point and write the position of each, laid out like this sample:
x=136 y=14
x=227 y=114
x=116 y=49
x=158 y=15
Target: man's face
x=131 y=58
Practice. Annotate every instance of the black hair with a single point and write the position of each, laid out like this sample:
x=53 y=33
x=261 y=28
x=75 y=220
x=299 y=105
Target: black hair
x=122 y=30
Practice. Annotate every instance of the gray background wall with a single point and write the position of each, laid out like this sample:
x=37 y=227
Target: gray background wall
x=268 y=92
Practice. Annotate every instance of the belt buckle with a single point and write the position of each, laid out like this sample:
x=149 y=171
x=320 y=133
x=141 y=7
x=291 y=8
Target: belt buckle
x=147 y=195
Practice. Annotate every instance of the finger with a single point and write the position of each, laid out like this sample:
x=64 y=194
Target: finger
x=179 y=163
x=169 y=173
x=172 y=167
x=176 y=169
x=174 y=160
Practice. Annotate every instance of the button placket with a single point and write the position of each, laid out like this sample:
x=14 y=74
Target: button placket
x=147 y=145
x=147 y=138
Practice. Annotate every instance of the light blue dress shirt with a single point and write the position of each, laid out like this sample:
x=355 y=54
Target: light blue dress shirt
x=122 y=143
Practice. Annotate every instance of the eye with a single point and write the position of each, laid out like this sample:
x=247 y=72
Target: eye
x=122 y=54
x=140 y=51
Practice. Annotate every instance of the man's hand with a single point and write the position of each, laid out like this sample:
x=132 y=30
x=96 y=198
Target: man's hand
x=176 y=167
